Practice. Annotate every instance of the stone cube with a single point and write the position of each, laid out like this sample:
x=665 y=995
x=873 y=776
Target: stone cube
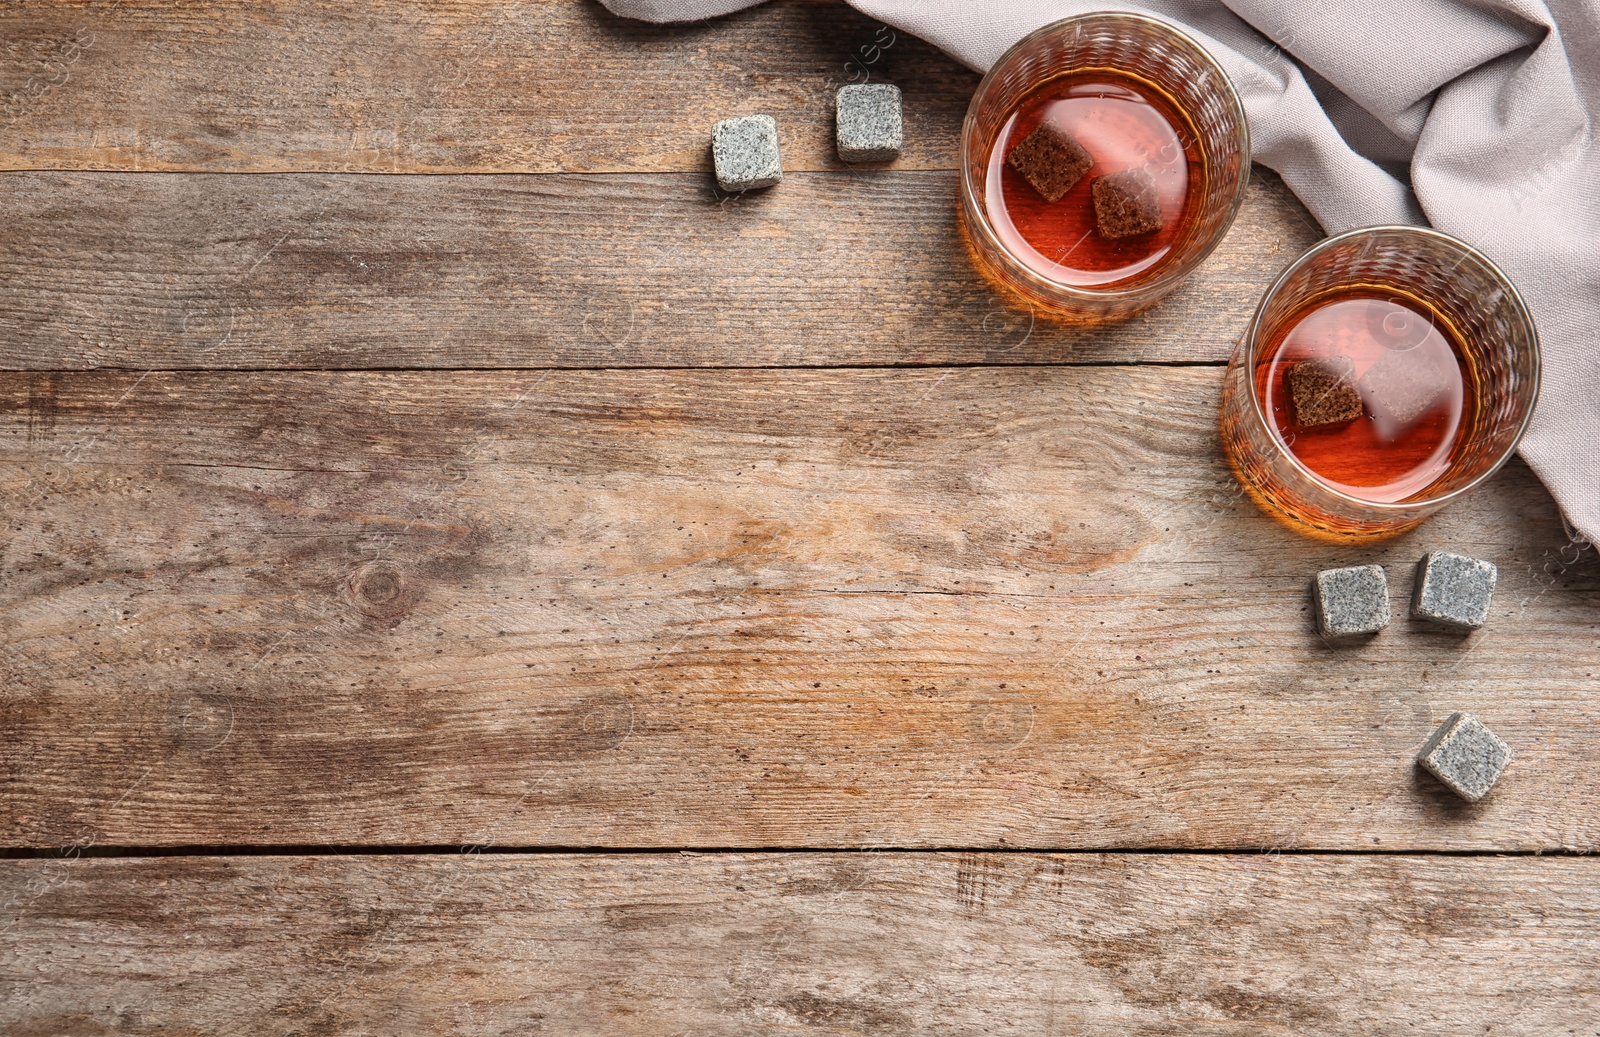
x=1453 y=590
x=745 y=152
x=867 y=122
x=1465 y=755
x=1405 y=384
x=1323 y=391
x=1353 y=601
x=1127 y=203
x=1051 y=160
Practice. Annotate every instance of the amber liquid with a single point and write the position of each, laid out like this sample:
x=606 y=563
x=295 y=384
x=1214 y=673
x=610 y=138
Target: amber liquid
x=1416 y=400
x=1124 y=123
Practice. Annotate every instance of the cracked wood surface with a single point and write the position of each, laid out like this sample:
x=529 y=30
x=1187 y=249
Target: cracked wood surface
x=943 y=606
x=651 y=268
x=910 y=607
x=733 y=944
x=454 y=86
x=646 y=270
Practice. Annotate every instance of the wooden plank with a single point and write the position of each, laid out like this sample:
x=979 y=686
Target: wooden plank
x=129 y=270
x=467 y=86
x=968 y=607
x=812 y=943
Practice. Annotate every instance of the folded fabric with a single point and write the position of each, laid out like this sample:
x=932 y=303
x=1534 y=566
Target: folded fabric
x=1474 y=116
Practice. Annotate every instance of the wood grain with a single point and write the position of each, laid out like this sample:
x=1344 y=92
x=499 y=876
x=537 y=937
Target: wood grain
x=140 y=271
x=457 y=86
x=968 y=607
x=813 y=943
x=900 y=605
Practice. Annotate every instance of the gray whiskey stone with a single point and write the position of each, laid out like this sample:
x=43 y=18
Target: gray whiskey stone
x=1404 y=385
x=745 y=152
x=1454 y=590
x=1468 y=757
x=1352 y=601
x=867 y=122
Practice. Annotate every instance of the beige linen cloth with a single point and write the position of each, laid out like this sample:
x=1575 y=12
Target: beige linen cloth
x=1474 y=117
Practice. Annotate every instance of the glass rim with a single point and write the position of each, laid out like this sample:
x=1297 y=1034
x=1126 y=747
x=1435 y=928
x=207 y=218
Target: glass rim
x=1170 y=276
x=1253 y=329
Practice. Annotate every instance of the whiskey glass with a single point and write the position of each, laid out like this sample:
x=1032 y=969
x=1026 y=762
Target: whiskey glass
x=1160 y=58
x=1499 y=358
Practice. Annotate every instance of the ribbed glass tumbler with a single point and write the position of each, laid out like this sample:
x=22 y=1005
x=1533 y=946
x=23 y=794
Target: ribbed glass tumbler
x=1163 y=61
x=1436 y=274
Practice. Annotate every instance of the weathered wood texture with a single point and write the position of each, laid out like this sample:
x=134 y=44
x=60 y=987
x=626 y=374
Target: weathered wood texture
x=817 y=944
x=139 y=271
x=970 y=607
x=458 y=86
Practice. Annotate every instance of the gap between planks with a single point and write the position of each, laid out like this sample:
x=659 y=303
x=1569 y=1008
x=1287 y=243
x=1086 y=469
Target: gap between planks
x=446 y=850
x=446 y=371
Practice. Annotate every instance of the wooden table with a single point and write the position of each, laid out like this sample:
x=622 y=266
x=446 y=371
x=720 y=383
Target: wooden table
x=464 y=574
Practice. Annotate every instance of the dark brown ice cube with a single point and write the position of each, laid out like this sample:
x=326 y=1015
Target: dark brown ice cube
x=1050 y=160
x=1126 y=204
x=1323 y=391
